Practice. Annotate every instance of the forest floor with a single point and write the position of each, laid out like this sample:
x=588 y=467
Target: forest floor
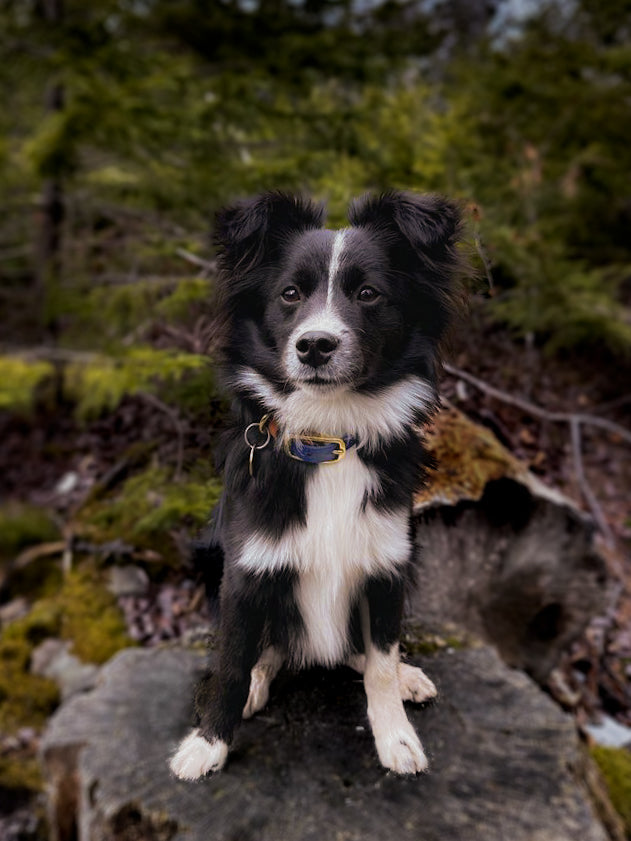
x=50 y=460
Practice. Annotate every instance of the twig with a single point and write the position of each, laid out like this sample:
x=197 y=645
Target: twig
x=208 y=266
x=34 y=553
x=538 y=411
x=574 y=419
x=588 y=496
x=173 y=415
x=479 y=247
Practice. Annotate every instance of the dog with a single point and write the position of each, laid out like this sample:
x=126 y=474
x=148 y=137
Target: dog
x=331 y=351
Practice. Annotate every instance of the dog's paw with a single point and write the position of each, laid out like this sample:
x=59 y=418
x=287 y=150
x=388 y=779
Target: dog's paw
x=400 y=751
x=196 y=756
x=414 y=684
x=259 y=692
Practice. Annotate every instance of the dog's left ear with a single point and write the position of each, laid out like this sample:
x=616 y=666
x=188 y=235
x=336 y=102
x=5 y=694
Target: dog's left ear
x=428 y=225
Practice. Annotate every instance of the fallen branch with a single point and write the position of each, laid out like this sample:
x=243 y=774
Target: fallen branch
x=575 y=420
x=538 y=411
x=34 y=553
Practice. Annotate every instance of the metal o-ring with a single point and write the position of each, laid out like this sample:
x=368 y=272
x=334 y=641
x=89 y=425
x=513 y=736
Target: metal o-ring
x=256 y=446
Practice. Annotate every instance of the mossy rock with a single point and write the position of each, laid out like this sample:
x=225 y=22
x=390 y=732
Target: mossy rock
x=469 y=456
x=25 y=699
x=82 y=611
x=615 y=766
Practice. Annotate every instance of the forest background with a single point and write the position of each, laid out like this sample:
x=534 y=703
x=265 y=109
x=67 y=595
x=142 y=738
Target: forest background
x=126 y=123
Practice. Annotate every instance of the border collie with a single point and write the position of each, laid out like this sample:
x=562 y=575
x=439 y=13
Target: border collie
x=331 y=350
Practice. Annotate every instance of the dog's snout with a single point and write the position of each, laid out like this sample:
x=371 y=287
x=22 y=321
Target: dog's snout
x=316 y=348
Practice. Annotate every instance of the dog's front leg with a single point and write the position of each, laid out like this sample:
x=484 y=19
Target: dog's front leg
x=220 y=697
x=397 y=744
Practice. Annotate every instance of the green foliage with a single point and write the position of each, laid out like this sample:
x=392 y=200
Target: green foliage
x=100 y=383
x=171 y=109
x=22 y=526
x=615 y=766
x=19 y=380
x=150 y=504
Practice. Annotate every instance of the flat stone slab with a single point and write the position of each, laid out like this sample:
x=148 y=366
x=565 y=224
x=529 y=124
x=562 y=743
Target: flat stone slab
x=505 y=761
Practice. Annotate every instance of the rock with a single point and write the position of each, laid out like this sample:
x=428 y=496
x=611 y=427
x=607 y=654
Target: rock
x=501 y=555
x=52 y=659
x=505 y=761
x=610 y=733
x=129 y=580
x=15 y=609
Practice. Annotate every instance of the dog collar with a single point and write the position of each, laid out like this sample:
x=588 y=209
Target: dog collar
x=312 y=449
x=318 y=449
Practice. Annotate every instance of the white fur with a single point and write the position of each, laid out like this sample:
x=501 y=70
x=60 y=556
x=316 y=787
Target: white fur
x=374 y=418
x=196 y=756
x=414 y=685
x=396 y=741
x=344 y=541
x=334 y=265
x=343 y=365
x=262 y=675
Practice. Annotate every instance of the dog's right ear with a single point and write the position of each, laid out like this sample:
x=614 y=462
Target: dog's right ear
x=250 y=233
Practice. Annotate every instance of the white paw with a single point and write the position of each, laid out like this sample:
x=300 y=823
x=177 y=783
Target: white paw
x=414 y=684
x=197 y=756
x=259 y=692
x=400 y=751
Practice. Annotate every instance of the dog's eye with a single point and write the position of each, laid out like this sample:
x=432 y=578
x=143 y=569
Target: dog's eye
x=290 y=295
x=367 y=295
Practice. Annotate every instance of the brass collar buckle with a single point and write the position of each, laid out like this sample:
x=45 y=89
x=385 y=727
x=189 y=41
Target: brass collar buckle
x=316 y=449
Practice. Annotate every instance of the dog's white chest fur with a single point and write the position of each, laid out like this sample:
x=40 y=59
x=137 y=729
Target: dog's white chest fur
x=345 y=540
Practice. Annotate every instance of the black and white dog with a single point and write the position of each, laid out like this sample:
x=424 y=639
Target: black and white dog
x=331 y=352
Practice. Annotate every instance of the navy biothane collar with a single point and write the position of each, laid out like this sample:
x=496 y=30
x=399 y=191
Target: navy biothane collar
x=318 y=449
x=313 y=449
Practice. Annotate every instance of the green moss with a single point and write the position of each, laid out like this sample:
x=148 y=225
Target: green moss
x=19 y=774
x=468 y=457
x=22 y=526
x=82 y=611
x=19 y=379
x=150 y=504
x=615 y=766
x=25 y=699
x=90 y=617
x=194 y=392
x=417 y=641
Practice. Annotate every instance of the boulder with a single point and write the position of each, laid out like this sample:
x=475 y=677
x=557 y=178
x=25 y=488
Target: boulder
x=501 y=555
x=506 y=763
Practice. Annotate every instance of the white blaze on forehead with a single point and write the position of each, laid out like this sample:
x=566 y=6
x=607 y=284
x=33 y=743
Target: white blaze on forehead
x=334 y=265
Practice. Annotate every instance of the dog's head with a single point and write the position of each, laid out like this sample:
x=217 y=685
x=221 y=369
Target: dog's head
x=316 y=310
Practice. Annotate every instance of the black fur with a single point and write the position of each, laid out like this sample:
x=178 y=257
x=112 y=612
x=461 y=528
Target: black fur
x=403 y=248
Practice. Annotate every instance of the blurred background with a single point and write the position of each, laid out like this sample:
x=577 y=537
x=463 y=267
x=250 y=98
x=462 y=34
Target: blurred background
x=126 y=123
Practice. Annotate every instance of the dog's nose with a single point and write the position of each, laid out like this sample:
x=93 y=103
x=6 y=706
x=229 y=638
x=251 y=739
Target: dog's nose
x=316 y=348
